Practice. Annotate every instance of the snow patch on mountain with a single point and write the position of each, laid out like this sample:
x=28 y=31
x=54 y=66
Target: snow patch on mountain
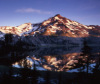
x=18 y=30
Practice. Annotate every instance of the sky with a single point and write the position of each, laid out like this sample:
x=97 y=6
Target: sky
x=17 y=12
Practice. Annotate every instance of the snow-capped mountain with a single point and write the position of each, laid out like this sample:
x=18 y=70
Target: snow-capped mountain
x=18 y=30
x=55 y=26
x=61 y=26
x=63 y=30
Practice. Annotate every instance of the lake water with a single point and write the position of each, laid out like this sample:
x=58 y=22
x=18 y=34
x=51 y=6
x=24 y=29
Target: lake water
x=50 y=65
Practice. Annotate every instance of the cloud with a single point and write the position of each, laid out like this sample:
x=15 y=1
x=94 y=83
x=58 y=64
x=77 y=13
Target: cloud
x=32 y=10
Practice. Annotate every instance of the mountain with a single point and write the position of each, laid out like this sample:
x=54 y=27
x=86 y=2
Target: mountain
x=61 y=26
x=18 y=30
x=95 y=31
x=54 y=26
x=55 y=30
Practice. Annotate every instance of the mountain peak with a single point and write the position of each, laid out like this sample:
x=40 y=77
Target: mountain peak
x=58 y=15
x=62 y=26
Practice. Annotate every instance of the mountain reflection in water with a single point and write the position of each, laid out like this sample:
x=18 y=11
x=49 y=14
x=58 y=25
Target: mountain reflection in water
x=50 y=65
x=73 y=59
